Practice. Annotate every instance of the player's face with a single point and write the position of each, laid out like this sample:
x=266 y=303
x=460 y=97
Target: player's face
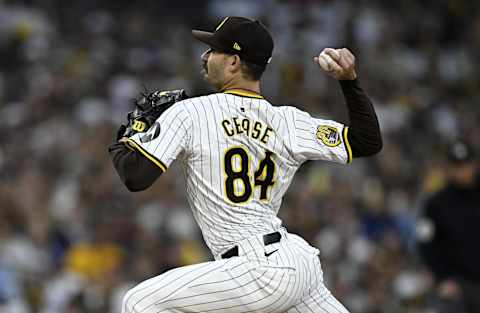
x=213 y=68
x=464 y=174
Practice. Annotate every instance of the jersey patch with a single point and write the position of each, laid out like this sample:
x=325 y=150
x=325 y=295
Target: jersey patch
x=152 y=133
x=329 y=135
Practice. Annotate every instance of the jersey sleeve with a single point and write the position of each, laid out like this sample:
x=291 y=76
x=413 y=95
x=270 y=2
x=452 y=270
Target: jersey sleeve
x=317 y=139
x=167 y=137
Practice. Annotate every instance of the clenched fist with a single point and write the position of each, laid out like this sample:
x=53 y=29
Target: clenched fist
x=338 y=63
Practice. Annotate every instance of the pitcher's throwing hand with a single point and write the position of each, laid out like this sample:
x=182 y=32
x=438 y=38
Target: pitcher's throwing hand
x=339 y=63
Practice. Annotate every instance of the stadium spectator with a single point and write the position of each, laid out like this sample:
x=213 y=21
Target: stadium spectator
x=449 y=232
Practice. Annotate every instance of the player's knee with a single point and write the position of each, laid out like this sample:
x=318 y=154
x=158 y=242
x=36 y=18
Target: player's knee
x=141 y=299
x=130 y=301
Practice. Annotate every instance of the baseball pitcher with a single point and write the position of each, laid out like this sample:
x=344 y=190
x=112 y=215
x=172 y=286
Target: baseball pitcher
x=239 y=154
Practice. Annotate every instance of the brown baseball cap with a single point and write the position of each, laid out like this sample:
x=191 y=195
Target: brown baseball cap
x=249 y=39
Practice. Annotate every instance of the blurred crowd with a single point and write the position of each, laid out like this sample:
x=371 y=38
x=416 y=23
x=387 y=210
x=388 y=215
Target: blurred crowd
x=73 y=239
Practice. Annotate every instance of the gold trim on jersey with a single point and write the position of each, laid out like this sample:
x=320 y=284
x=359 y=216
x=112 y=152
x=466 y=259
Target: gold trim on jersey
x=347 y=144
x=156 y=161
x=124 y=141
x=243 y=93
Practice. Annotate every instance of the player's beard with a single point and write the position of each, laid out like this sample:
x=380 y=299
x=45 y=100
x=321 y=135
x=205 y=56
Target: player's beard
x=213 y=74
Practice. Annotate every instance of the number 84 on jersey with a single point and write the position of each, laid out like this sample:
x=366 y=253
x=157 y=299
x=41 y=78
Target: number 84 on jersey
x=238 y=183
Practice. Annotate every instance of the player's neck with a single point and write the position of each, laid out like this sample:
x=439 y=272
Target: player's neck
x=244 y=85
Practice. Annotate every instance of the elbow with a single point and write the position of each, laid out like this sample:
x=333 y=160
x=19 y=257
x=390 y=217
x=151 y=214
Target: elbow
x=139 y=181
x=377 y=147
x=374 y=149
x=365 y=146
x=131 y=179
x=132 y=187
x=136 y=184
x=136 y=173
x=379 y=143
x=374 y=144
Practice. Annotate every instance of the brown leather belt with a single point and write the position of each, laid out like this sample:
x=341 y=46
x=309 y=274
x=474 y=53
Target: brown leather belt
x=268 y=239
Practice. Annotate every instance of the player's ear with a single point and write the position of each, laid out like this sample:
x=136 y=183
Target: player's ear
x=234 y=63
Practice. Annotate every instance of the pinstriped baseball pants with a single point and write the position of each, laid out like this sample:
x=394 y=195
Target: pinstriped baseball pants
x=289 y=279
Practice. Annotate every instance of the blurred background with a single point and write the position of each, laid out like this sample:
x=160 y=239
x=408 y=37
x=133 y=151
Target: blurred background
x=73 y=239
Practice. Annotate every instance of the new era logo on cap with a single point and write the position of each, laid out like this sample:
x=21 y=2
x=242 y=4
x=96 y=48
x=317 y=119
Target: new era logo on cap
x=236 y=46
x=248 y=39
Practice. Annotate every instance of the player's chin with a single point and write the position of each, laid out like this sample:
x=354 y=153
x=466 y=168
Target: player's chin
x=207 y=78
x=204 y=74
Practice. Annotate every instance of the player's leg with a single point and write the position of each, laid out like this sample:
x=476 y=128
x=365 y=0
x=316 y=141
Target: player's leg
x=318 y=301
x=144 y=296
x=231 y=285
x=243 y=289
x=317 y=298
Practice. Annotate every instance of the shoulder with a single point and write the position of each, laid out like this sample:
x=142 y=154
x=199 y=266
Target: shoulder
x=291 y=110
x=437 y=202
x=177 y=112
x=197 y=109
x=444 y=194
x=292 y=114
x=206 y=101
x=214 y=97
x=295 y=114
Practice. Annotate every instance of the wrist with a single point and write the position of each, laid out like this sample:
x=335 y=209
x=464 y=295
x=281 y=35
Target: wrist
x=347 y=84
x=351 y=76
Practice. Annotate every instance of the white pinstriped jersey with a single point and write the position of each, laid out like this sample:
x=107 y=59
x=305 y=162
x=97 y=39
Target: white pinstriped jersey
x=239 y=154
